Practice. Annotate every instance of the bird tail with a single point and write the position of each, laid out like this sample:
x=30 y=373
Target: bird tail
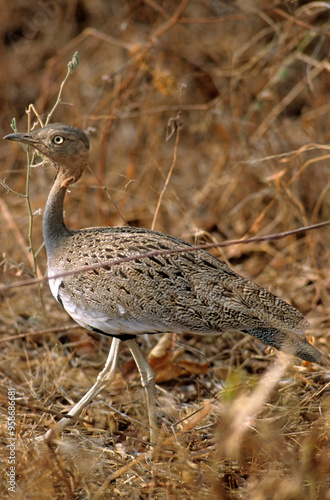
x=287 y=341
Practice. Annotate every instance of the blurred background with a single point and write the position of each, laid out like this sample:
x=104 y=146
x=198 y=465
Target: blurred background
x=208 y=120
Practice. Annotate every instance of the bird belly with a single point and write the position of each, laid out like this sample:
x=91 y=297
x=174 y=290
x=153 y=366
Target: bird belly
x=102 y=322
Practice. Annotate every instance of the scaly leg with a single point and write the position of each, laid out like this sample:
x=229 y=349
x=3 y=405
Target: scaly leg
x=148 y=382
x=104 y=378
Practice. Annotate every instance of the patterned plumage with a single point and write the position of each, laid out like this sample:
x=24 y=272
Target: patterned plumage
x=190 y=292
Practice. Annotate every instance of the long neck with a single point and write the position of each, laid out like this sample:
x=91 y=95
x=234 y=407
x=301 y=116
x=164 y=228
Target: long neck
x=55 y=230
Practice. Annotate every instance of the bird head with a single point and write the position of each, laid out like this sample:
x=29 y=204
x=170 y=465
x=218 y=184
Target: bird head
x=67 y=147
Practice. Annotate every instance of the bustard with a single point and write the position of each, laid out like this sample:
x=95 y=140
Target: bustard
x=189 y=292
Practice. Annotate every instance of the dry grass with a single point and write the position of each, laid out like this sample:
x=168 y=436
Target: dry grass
x=250 y=82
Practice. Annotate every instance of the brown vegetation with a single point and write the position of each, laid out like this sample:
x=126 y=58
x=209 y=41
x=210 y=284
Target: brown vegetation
x=226 y=104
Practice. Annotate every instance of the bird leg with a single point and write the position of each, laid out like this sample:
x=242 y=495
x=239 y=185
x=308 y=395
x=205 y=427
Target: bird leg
x=148 y=382
x=104 y=378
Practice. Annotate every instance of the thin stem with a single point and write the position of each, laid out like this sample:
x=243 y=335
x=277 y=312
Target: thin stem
x=10 y=190
x=72 y=65
x=27 y=196
x=30 y=232
x=176 y=126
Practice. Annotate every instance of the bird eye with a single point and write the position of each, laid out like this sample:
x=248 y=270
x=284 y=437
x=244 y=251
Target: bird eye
x=58 y=139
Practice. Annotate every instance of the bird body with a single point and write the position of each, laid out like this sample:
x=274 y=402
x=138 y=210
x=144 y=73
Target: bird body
x=189 y=292
x=132 y=284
